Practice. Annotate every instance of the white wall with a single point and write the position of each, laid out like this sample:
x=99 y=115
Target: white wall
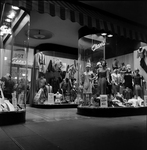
x=127 y=59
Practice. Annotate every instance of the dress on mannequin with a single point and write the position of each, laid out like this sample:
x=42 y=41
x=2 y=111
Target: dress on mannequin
x=128 y=79
x=137 y=78
x=116 y=80
x=102 y=78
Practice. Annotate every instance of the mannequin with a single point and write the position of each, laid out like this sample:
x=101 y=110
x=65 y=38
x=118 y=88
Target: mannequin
x=116 y=79
x=103 y=77
x=58 y=98
x=128 y=83
x=138 y=79
x=128 y=77
x=87 y=84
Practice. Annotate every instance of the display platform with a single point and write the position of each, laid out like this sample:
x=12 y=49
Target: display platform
x=111 y=111
x=14 y=117
x=52 y=106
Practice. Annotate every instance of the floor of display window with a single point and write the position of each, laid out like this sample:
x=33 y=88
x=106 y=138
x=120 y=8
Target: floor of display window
x=66 y=105
x=111 y=112
x=13 y=117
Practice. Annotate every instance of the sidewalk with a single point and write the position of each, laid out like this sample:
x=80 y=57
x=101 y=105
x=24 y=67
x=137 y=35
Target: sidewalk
x=63 y=129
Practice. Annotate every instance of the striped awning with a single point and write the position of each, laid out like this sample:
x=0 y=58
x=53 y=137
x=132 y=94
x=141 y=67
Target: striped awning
x=85 y=17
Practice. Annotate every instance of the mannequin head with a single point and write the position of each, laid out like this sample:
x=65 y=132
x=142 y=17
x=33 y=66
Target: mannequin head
x=104 y=64
x=42 y=82
x=137 y=71
x=88 y=66
x=128 y=67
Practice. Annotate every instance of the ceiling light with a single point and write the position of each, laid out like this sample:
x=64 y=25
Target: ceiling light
x=23 y=74
x=110 y=35
x=8 y=20
x=11 y=15
x=15 y=7
x=39 y=34
x=5 y=58
x=103 y=34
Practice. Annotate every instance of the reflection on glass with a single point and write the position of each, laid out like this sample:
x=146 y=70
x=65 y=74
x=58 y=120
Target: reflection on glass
x=13 y=65
x=98 y=85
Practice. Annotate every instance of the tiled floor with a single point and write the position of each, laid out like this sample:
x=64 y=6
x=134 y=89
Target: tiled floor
x=63 y=129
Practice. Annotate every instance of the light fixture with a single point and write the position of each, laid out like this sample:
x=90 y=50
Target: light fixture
x=5 y=58
x=103 y=34
x=109 y=35
x=8 y=20
x=12 y=14
x=23 y=74
x=39 y=35
x=15 y=7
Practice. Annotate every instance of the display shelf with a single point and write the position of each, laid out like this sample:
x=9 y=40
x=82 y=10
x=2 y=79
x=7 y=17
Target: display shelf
x=13 y=117
x=111 y=111
x=54 y=106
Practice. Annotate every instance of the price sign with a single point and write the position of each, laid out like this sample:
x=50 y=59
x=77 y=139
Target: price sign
x=103 y=101
x=145 y=100
x=19 y=57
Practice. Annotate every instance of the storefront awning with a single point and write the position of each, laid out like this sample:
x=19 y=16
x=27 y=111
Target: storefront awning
x=84 y=16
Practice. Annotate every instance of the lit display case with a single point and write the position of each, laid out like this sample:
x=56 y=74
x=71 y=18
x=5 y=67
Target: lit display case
x=14 y=27
x=106 y=85
x=54 y=77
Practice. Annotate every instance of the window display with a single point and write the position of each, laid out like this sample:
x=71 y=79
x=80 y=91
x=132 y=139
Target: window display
x=54 y=79
x=100 y=86
x=13 y=82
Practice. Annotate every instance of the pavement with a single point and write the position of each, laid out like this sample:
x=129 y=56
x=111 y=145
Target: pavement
x=64 y=129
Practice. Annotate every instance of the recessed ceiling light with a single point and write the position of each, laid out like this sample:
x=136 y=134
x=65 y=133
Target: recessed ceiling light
x=110 y=35
x=103 y=34
x=11 y=15
x=8 y=20
x=15 y=7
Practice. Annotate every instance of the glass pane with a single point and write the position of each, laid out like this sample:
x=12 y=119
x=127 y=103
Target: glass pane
x=14 y=58
x=53 y=78
x=108 y=82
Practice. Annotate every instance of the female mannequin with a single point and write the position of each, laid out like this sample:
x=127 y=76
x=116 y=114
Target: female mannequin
x=128 y=77
x=138 y=79
x=103 y=77
x=116 y=80
x=87 y=84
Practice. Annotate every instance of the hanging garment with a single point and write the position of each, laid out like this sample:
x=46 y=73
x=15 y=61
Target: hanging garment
x=143 y=64
x=141 y=52
x=49 y=72
x=41 y=62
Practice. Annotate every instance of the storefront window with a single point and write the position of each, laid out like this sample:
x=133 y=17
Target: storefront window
x=104 y=82
x=53 y=79
x=14 y=59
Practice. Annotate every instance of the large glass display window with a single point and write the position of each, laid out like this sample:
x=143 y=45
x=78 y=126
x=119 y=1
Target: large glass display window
x=107 y=84
x=14 y=27
x=54 y=79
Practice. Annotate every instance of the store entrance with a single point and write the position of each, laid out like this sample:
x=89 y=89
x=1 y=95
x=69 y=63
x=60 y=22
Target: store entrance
x=19 y=73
